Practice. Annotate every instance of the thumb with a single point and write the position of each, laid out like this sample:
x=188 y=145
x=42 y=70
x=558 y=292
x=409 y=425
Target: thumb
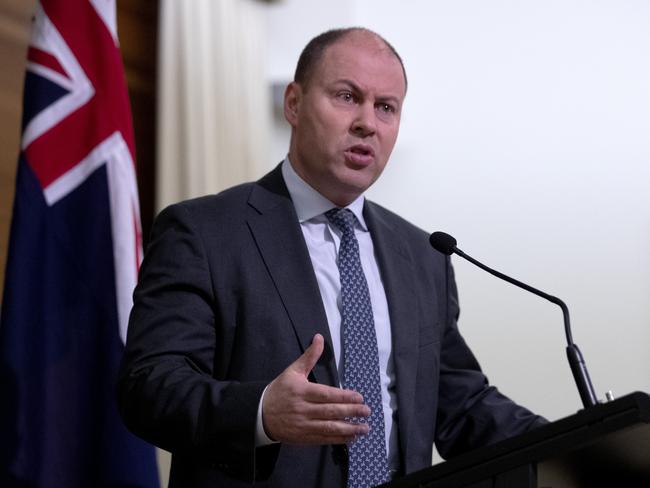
x=306 y=362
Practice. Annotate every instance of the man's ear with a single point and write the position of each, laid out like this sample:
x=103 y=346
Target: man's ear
x=292 y=99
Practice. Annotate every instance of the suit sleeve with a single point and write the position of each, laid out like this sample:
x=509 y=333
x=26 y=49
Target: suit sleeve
x=167 y=391
x=471 y=413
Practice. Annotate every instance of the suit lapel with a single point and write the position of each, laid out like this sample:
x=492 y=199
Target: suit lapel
x=275 y=228
x=397 y=274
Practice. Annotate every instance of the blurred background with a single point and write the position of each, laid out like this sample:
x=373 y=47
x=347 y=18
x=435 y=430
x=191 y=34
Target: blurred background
x=525 y=134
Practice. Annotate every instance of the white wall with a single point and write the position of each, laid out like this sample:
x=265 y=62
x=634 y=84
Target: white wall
x=526 y=134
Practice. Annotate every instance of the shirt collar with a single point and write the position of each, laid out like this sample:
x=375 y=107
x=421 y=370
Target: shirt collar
x=309 y=203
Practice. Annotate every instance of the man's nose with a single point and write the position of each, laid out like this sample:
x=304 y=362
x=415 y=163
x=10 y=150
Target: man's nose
x=364 y=123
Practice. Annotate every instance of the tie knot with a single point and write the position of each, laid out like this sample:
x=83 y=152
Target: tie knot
x=342 y=218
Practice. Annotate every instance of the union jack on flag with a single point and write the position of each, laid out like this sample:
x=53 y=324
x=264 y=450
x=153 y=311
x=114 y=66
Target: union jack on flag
x=74 y=253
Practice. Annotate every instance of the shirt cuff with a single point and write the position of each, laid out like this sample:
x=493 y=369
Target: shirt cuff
x=261 y=439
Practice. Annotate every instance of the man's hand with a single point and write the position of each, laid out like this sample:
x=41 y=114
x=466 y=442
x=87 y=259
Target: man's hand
x=297 y=411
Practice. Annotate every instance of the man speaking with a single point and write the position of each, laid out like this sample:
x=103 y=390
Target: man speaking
x=289 y=332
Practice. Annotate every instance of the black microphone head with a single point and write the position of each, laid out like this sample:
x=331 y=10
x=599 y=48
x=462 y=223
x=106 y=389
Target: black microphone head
x=443 y=243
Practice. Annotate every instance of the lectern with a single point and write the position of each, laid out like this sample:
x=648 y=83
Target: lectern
x=607 y=445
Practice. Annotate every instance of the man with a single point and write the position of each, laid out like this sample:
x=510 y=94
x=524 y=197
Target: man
x=279 y=340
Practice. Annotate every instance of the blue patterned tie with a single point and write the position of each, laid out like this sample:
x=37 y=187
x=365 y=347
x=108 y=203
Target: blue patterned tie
x=368 y=461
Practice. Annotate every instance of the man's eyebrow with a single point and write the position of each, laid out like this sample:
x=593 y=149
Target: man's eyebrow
x=350 y=83
x=358 y=89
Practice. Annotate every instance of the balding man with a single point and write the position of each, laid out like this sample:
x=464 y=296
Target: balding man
x=292 y=333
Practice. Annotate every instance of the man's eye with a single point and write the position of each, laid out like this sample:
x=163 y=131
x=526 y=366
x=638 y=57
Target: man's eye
x=386 y=108
x=346 y=96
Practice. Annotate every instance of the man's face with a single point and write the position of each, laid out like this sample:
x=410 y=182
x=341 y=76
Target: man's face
x=345 y=121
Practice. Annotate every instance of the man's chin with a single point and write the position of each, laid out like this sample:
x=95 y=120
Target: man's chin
x=351 y=187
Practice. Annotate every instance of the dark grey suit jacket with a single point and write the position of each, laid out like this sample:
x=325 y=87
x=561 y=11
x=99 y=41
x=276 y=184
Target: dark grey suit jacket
x=227 y=299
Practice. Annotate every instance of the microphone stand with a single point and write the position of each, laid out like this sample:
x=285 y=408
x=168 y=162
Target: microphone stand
x=576 y=360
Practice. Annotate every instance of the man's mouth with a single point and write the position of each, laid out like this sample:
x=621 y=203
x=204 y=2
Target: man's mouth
x=360 y=154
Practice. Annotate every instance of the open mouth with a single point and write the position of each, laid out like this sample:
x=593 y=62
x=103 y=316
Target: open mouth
x=360 y=154
x=362 y=149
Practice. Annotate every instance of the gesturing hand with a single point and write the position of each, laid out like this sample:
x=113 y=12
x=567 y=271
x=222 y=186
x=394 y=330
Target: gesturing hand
x=300 y=412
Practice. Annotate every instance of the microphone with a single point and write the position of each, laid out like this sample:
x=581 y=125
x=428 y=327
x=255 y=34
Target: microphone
x=446 y=244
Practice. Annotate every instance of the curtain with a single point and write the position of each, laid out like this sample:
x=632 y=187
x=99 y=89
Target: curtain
x=213 y=102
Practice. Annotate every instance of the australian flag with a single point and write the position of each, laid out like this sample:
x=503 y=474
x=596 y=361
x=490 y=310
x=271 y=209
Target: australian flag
x=74 y=252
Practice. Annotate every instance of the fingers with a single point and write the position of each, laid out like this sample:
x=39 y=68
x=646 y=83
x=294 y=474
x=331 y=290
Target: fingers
x=320 y=393
x=297 y=411
x=329 y=403
x=340 y=411
x=317 y=393
x=305 y=430
x=290 y=416
x=306 y=362
x=332 y=432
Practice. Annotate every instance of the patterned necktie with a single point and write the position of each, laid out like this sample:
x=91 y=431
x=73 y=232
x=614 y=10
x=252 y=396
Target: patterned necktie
x=368 y=460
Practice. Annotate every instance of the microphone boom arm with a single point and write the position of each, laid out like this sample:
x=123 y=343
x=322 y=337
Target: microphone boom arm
x=576 y=360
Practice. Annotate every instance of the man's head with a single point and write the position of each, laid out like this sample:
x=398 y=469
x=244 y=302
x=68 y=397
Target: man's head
x=344 y=108
x=312 y=54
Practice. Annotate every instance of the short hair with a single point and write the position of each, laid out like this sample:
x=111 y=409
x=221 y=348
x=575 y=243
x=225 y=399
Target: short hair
x=313 y=52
